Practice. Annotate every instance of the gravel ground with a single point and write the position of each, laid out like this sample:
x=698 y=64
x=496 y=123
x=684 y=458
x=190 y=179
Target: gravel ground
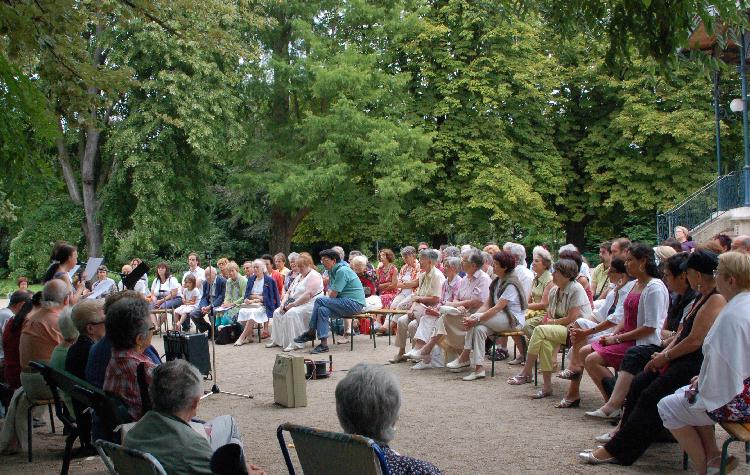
x=483 y=426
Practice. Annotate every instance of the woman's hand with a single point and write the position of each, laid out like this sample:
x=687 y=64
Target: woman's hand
x=471 y=321
x=694 y=383
x=432 y=311
x=658 y=361
x=607 y=340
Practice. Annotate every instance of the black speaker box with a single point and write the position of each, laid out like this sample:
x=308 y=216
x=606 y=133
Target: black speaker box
x=192 y=347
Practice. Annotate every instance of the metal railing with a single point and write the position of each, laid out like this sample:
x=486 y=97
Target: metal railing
x=703 y=206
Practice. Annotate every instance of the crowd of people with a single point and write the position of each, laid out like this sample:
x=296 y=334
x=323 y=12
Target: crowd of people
x=661 y=331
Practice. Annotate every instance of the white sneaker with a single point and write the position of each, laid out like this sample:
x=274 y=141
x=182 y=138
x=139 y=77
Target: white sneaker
x=456 y=364
x=271 y=345
x=474 y=375
x=422 y=365
x=414 y=354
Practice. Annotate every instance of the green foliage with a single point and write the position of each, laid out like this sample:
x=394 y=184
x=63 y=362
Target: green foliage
x=54 y=220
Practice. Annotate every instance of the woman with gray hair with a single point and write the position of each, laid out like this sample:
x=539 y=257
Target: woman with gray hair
x=261 y=299
x=540 y=288
x=373 y=387
x=407 y=281
x=567 y=302
x=169 y=433
x=129 y=329
x=69 y=333
x=293 y=270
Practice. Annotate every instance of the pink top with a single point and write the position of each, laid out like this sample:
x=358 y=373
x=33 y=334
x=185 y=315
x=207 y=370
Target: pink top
x=631 y=312
x=474 y=287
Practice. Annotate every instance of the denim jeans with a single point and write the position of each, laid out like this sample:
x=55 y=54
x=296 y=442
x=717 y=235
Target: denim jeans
x=326 y=308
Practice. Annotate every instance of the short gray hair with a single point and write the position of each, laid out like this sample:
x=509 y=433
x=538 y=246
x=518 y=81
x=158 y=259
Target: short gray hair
x=430 y=254
x=408 y=251
x=486 y=257
x=474 y=256
x=518 y=251
x=68 y=329
x=544 y=255
x=452 y=251
x=85 y=311
x=262 y=264
x=568 y=268
x=567 y=247
x=358 y=261
x=453 y=262
x=340 y=251
x=292 y=256
x=54 y=293
x=373 y=388
x=174 y=386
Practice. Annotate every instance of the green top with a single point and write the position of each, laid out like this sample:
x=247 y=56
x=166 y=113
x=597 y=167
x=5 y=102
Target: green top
x=346 y=283
x=179 y=448
x=599 y=279
x=235 y=292
x=538 y=285
x=57 y=361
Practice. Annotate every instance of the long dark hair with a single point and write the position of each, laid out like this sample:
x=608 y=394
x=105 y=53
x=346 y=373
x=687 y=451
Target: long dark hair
x=20 y=317
x=167 y=273
x=640 y=251
x=60 y=253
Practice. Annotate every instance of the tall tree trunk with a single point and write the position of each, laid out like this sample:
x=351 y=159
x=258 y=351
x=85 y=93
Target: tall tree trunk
x=92 y=227
x=283 y=226
x=438 y=239
x=575 y=234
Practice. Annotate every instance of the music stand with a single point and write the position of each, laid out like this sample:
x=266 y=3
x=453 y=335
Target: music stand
x=212 y=319
x=129 y=281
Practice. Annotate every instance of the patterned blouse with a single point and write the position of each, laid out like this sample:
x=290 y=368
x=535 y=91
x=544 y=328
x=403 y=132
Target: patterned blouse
x=449 y=292
x=402 y=465
x=736 y=410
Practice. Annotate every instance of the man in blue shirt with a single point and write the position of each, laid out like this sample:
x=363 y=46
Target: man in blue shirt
x=345 y=297
x=213 y=285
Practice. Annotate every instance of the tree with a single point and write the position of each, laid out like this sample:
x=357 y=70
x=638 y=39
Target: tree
x=333 y=146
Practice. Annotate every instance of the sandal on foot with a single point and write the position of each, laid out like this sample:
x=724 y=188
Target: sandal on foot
x=541 y=394
x=714 y=465
x=518 y=380
x=520 y=360
x=566 y=403
x=570 y=375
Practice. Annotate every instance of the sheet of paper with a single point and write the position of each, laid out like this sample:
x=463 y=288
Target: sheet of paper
x=91 y=266
x=73 y=272
x=101 y=289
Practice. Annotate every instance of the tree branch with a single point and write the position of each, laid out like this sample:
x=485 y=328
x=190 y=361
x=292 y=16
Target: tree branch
x=68 y=174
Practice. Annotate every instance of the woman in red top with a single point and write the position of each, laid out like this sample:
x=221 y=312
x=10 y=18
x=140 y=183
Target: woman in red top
x=387 y=277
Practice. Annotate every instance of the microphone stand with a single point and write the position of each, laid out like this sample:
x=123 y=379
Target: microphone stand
x=212 y=318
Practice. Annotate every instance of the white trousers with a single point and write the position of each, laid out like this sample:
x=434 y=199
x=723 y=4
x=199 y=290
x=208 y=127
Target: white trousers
x=676 y=412
x=286 y=326
x=476 y=336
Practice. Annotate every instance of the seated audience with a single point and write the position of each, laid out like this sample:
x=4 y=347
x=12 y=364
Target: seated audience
x=69 y=334
x=567 y=302
x=129 y=328
x=293 y=271
x=88 y=317
x=682 y=235
x=234 y=295
x=426 y=295
x=526 y=277
x=604 y=321
x=360 y=265
x=721 y=391
x=448 y=293
x=222 y=264
x=345 y=297
x=12 y=339
x=741 y=243
x=168 y=432
x=101 y=352
x=387 y=282
x=569 y=251
x=39 y=337
x=636 y=358
x=212 y=296
x=473 y=292
x=539 y=297
x=668 y=370
x=165 y=290
x=190 y=295
x=600 y=275
x=195 y=270
x=103 y=281
x=293 y=315
x=504 y=310
x=23 y=283
x=662 y=253
x=260 y=300
x=372 y=386
x=15 y=303
x=279 y=261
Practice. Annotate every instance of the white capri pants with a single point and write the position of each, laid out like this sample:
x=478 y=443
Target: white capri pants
x=587 y=324
x=676 y=412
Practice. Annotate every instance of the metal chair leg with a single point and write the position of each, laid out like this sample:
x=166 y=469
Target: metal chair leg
x=30 y=427
x=747 y=452
x=390 y=324
x=492 y=357
x=536 y=372
x=51 y=417
x=684 y=460
x=372 y=333
x=724 y=455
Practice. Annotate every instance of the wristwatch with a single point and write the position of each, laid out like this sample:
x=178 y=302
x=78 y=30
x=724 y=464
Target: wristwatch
x=617 y=340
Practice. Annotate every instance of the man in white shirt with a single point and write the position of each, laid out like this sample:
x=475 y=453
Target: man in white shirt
x=103 y=281
x=195 y=271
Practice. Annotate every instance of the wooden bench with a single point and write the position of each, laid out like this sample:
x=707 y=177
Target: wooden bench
x=738 y=432
x=389 y=312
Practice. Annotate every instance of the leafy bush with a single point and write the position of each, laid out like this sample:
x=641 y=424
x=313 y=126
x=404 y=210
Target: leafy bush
x=30 y=250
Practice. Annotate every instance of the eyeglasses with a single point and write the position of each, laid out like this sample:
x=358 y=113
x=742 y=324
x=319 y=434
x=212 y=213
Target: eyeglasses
x=97 y=322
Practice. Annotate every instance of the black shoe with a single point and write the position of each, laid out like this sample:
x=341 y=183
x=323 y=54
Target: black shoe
x=305 y=337
x=319 y=349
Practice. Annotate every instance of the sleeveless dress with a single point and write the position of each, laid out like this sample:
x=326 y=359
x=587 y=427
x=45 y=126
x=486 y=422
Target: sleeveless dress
x=386 y=296
x=613 y=354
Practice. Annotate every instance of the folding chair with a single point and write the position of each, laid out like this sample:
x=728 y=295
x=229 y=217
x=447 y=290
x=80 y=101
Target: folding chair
x=321 y=451
x=120 y=460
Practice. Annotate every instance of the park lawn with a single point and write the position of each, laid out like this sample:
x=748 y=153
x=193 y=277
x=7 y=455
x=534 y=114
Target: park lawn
x=8 y=286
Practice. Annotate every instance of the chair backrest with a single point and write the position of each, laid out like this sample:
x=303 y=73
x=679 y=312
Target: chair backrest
x=124 y=461
x=321 y=451
x=110 y=410
x=57 y=382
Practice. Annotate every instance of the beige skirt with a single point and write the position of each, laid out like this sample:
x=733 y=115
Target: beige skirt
x=452 y=326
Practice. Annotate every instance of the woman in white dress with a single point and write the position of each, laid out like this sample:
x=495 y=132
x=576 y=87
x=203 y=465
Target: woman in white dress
x=261 y=299
x=293 y=316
